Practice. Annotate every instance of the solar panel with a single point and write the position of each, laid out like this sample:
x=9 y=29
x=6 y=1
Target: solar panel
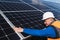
x=5 y=6
x=11 y=0
x=8 y=6
x=6 y=32
x=21 y=15
x=25 y=19
x=46 y=8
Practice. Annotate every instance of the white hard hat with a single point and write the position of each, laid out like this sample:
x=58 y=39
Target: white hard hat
x=48 y=15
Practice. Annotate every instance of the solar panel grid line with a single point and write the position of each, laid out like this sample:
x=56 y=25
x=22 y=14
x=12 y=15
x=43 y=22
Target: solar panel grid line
x=5 y=34
x=2 y=6
x=11 y=1
x=10 y=7
x=19 y=34
x=14 y=6
x=21 y=11
x=2 y=37
x=32 y=6
x=5 y=6
x=4 y=24
x=46 y=9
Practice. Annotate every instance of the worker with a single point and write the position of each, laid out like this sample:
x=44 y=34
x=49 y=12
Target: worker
x=50 y=31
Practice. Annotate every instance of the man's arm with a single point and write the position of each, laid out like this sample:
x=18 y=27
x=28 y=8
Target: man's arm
x=47 y=32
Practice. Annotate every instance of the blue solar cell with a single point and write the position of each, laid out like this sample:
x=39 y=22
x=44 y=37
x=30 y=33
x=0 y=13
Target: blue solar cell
x=1 y=33
x=4 y=6
x=13 y=37
x=4 y=38
x=25 y=19
x=6 y=30
x=9 y=31
x=11 y=0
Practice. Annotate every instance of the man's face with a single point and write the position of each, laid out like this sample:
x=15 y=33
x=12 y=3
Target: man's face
x=48 y=21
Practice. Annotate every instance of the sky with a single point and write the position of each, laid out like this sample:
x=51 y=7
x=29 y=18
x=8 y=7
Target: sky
x=57 y=1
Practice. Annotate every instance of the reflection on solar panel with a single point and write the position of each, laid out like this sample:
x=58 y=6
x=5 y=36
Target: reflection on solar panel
x=45 y=8
x=5 y=6
x=6 y=32
x=41 y=6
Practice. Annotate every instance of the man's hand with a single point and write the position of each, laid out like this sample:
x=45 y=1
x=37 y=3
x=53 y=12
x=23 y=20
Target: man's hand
x=18 y=29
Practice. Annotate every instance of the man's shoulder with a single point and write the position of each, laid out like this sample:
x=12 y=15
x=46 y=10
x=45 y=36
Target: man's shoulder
x=56 y=24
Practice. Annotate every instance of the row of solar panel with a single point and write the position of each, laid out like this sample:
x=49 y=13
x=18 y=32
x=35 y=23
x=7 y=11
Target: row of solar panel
x=4 y=6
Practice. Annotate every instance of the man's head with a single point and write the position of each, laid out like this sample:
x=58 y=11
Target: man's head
x=48 y=18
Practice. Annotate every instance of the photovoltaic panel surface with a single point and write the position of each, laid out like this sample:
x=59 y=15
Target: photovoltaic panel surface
x=8 y=6
x=11 y=0
x=26 y=19
x=46 y=8
x=23 y=19
x=6 y=32
x=5 y=6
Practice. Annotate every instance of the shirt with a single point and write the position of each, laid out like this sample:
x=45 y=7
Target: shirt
x=46 y=32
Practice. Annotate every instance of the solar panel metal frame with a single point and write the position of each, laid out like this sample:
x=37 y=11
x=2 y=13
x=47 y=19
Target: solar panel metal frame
x=12 y=26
